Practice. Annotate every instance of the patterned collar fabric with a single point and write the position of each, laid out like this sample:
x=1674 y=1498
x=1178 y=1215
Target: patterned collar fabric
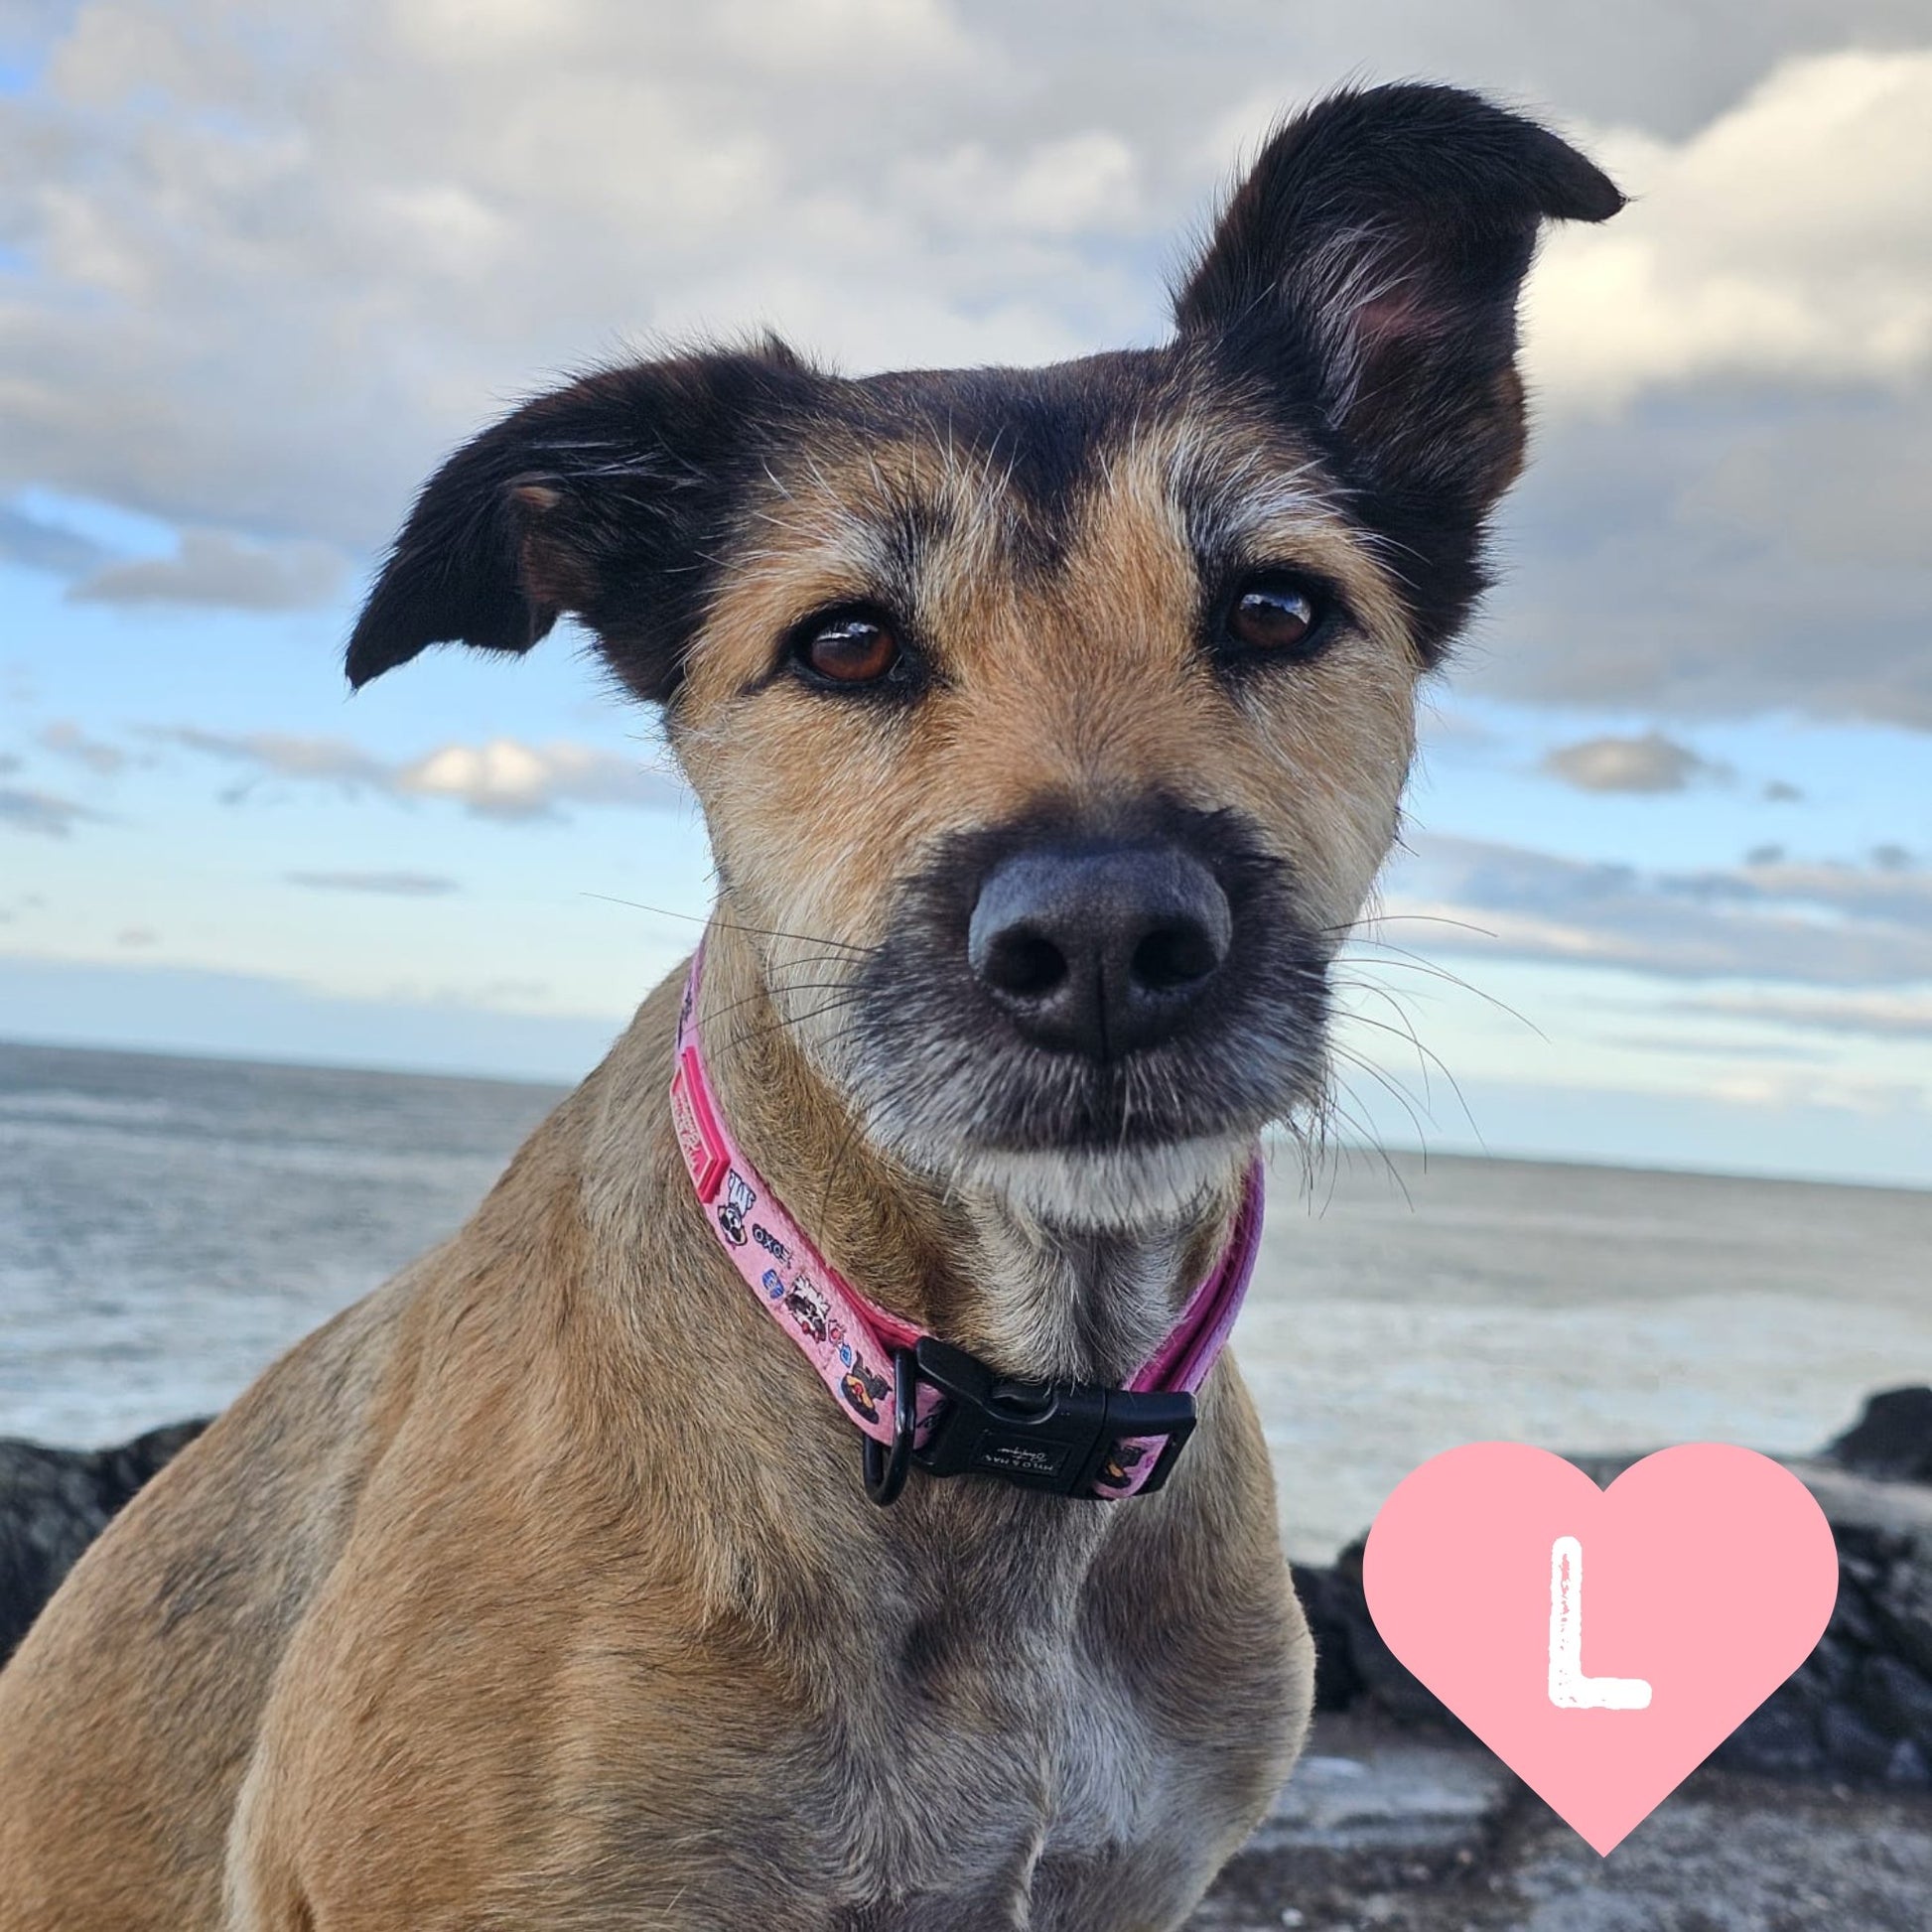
x=851 y=1342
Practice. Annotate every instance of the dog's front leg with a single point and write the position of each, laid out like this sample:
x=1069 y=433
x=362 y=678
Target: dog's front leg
x=260 y=1891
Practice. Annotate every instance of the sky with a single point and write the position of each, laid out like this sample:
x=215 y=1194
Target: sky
x=1665 y=894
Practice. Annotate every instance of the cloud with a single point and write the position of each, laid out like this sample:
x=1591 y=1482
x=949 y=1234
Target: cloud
x=1890 y=892
x=28 y=542
x=1723 y=554
x=66 y=740
x=284 y=754
x=502 y=779
x=1787 y=1092
x=507 y=780
x=271 y=277
x=398 y=885
x=211 y=567
x=1875 y=1015
x=41 y=812
x=1829 y=926
x=1652 y=762
x=1679 y=1046
x=1791 y=236
x=399 y=225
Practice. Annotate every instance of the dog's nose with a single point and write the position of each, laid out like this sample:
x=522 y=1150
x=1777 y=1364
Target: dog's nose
x=1099 y=951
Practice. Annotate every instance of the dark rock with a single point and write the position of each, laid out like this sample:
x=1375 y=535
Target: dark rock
x=53 y=1502
x=1905 y=1608
x=1863 y=1571
x=1895 y=1698
x=1853 y=1747
x=1778 y=1740
x=1892 y=1438
x=1332 y=1617
x=1909 y=1766
x=1855 y=1623
x=1834 y=1664
x=1386 y=1685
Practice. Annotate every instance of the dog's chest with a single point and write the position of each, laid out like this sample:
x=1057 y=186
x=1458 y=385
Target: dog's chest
x=972 y=1789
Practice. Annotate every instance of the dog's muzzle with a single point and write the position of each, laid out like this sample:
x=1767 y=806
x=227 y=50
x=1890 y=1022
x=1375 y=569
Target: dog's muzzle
x=1098 y=984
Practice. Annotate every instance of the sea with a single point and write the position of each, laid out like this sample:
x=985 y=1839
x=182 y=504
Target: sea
x=168 y=1226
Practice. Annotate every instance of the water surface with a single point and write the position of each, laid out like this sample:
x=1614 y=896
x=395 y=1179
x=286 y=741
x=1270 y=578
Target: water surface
x=168 y=1226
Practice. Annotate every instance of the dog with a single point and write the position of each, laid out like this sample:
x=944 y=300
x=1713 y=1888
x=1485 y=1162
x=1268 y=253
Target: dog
x=53 y=1502
x=1049 y=727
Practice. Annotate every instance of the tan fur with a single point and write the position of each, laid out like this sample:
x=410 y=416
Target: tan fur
x=439 y=1625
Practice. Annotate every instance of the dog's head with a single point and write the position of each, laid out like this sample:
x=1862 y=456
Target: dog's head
x=1050 y=724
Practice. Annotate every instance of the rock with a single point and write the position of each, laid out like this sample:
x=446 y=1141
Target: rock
x=1369 y=1788
x=1370 y=1814
x=1734 y=1855
x=1891 y=1439
x=1896 y=1698
x=1862 y=1693
x=1354 y=1669
x=1334 y=1612
x=1724 y=1852
x=53 y=1502
x=1904 y=1608
x=1858 y=1750
x=1778 y=1740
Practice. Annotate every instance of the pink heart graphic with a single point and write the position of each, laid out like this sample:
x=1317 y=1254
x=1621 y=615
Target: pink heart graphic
x=1602 y=1643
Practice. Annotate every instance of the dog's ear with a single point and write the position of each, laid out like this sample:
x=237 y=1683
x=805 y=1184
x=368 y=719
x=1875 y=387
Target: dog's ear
x=1367 y=272
x=601 y=499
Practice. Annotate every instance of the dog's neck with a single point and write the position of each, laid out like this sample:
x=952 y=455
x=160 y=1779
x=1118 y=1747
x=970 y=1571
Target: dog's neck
x=1029 y=1298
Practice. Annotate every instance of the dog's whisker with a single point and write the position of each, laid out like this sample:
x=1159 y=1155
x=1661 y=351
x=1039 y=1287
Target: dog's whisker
x=1406 y=961
x=781 y=1024
x=1401 y=1029
x=733 y=925
x=1393 y=1087
x=1426 y=1057
x=1372 y=1142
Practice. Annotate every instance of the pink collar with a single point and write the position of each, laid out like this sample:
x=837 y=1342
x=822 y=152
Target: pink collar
x=918 y=1399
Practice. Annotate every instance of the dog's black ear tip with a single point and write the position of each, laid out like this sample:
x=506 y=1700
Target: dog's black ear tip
x=368 y=656
x=383 y=636
x=392 y=631
x=1575 y=188
x=1424 y=136
x=1600 y=198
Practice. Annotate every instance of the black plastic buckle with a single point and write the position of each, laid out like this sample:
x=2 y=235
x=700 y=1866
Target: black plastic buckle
x=1058 y=1437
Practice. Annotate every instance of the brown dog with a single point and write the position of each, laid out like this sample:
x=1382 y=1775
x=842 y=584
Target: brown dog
x=1049 y=727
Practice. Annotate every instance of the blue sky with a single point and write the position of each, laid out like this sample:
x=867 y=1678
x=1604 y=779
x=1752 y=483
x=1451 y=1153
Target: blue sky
x=1668 y=892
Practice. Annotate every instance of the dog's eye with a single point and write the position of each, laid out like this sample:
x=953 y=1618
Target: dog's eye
x=849 y=648
x=1276 y=616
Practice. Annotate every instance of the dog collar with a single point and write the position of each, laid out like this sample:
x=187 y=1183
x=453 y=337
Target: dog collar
x=916 y=1398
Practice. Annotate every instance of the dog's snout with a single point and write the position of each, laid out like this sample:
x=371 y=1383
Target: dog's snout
x=1099 y=951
